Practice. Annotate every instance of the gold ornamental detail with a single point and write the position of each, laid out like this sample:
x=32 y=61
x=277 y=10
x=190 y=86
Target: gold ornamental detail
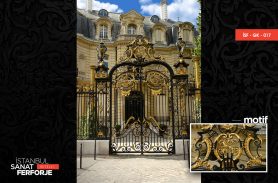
x=125 y=92
x=246 y=147
x=125 y=81
x=208 y=142
x=140 y=49
x=201 y=164
x=156 y=80
x=156 y=92
x=227 y=144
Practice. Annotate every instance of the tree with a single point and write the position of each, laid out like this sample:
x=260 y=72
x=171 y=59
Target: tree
x=197 y=50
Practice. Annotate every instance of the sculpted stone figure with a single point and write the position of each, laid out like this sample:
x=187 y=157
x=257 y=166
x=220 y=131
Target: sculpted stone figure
x=180 y=45
x=101 y=49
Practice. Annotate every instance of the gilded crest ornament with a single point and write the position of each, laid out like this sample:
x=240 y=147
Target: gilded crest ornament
x=140 y=49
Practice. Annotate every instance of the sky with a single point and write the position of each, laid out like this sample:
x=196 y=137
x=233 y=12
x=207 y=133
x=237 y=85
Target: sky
x=183 y=10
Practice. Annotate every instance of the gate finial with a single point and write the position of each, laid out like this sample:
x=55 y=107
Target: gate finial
x=101 y=69
x=181 y=65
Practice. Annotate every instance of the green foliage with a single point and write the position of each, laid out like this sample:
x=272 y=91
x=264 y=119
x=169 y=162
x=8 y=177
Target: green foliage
x=83 y=130
x=197 y=50
x=86 y=128
x=117 y=127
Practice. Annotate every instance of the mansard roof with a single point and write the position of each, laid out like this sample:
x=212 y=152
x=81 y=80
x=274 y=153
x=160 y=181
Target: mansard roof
x=86 y=24
x=116 y=17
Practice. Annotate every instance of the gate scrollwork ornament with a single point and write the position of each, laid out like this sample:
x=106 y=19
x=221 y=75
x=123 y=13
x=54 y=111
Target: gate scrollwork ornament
x=228 y=147
x=140 y=50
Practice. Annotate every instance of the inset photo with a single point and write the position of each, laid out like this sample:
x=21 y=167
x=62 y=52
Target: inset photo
x=228 y=147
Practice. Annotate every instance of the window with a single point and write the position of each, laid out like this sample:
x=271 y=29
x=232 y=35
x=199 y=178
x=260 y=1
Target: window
x=158 y=35
x=103 y=34
x=103 y=13
x=131 y=29
x=155 y=19
x=187 y=35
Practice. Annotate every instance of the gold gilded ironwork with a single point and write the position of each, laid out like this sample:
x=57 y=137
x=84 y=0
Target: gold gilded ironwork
x=227 y=144
x=182 y=98
x=156 y=92
x=201 y=164
x=85 y=88
x=248 y=126
x=101 y=69
x=230 y=141
x=125 y=81
x=254 y=162
x=246 y=146
x=155 y=79
x=101 y=87
x=181 y=71
x=227 y=128
x=138 y=49
x=101 y=75
x=100 y=134
x=184 y=132
x=129 y=120
x=206 y=127
x=208 y=143
x=125 y=92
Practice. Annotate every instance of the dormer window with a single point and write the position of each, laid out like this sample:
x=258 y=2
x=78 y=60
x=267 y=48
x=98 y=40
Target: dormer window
x=103 y=13
x=131 y=30
x=185 y=35
x=186 y=31
x=103 y=29
x=155 y=19
x=103 y=32
x=158 y=35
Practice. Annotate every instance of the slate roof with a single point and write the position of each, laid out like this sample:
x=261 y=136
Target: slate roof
x=86 y=25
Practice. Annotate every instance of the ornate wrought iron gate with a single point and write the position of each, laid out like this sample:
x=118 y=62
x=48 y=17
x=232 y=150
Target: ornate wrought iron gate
x=141 y=101
x=141 y=108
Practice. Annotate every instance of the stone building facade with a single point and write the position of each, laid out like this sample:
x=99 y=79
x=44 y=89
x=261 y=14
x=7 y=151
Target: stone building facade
x=116 y=30
x=168 y=105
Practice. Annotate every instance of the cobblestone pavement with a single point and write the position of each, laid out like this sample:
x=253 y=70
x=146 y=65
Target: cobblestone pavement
x=135 y=169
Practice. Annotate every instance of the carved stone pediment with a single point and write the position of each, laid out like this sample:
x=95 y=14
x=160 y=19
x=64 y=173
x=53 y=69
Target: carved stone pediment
x=159 y=25
x=140 y=49
x=186 y=25
x=104 y=20
x=131 y=15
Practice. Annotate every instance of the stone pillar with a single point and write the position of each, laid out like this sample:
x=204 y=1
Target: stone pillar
x=141 y=30
x=109 y=32
x=164 y=37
